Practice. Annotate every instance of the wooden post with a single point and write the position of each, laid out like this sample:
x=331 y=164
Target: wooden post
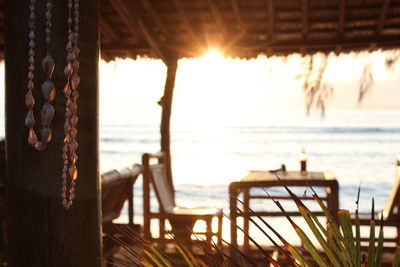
x=166 y=104
x=233 y=194
x=40 y=232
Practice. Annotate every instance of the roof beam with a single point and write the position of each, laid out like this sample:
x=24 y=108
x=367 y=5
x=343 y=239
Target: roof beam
x=216 y=12
x=382 y=16
x=155 y=17
x=305 y=17
x=131 y=13
x=238 y=15
x=185 y=19
x=152 y=42
x=108 y=30
x=342 y=17
x=271 y=19
x=130 y=23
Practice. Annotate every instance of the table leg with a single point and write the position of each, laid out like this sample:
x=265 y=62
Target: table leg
x=332 y=192
x=233 y=215
x=335 y=199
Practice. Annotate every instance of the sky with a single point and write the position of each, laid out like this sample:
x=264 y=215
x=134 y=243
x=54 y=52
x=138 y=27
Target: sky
x=235 y=85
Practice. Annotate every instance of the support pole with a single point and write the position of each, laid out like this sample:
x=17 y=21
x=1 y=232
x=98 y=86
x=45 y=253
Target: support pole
x=40 y=232
x=166 y=103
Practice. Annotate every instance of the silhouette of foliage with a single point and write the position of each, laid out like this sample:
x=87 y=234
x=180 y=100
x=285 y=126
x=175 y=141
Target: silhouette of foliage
x=317 y=90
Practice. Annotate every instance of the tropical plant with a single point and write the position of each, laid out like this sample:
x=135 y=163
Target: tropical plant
x=339 y=241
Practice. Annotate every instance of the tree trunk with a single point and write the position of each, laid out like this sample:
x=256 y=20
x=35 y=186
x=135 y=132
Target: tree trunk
x=40 y=232
x=166 y=116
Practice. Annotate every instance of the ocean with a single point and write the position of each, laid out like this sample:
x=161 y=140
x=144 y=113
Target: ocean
x=358 y=146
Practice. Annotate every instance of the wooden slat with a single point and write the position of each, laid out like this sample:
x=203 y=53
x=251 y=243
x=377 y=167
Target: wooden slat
x=277 y=214
x=342 y=17
x=129 y=21
x=283 y=197
x=152 y=42
x=305 y=17
x=156 y=17
x=136 y=11
x=271 y=19
x=185 y=20
x=107 y=30
x=218 y=17
x=382 y=16
x=237 y=13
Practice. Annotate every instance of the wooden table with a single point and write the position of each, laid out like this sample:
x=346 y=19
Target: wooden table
x=267 y=179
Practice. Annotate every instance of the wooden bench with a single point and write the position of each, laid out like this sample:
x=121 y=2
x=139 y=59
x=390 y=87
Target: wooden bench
x=117 y=188
x=182 y=219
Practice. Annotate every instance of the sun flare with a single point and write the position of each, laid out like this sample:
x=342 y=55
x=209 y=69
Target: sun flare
x=213 y=54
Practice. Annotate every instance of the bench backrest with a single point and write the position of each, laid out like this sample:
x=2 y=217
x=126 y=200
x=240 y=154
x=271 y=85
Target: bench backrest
x=392 y=204
x=116 y=188
x=156 y=174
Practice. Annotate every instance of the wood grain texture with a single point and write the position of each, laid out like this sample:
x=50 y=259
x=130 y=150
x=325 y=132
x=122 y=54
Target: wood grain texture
x=41 y=233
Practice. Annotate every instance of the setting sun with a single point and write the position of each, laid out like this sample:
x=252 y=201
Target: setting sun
x=213 y=54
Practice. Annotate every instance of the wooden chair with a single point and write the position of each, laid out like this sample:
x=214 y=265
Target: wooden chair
x=117 y=188
x=390 y=214
x=182 y=219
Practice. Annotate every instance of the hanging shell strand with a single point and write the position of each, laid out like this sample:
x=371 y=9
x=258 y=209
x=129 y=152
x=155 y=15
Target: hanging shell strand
x=48 y=89
x=71 y=119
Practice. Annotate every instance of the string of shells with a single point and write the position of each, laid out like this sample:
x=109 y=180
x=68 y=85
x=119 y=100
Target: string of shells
x=48 y=89
x=70 y=147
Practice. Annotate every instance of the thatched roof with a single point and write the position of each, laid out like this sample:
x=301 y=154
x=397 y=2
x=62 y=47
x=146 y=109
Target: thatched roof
x=247 y=28
x=244 y=28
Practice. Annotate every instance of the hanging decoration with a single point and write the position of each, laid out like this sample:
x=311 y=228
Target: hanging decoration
x=48 y=89
x=70 y=147
x=71 y=94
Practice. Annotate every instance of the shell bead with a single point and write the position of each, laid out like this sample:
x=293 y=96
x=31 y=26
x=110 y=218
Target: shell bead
x=70 y=57
x=30 y=85
x=75 y=65
x=74 y=120
x=73 y=173
x=48 y=90
x=68 y=70
x=29 y=100
x=32 y=139
x=68 y=114
x=74 y=131
x=75 y=80
x=73 y=146
x=76 y=51
x=45 y=134
x=47 y=114
x=30 y=120
x=48 y=65
x=73 y=108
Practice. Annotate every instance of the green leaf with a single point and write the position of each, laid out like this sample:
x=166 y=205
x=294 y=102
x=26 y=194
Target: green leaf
x=371 y=248
x=379 y=251
x=396 y=260
x=357 y=257
x=346 y=226
x=306 y=241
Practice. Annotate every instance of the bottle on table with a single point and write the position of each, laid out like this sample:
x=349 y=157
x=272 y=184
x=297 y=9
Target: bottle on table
x=303 y=161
